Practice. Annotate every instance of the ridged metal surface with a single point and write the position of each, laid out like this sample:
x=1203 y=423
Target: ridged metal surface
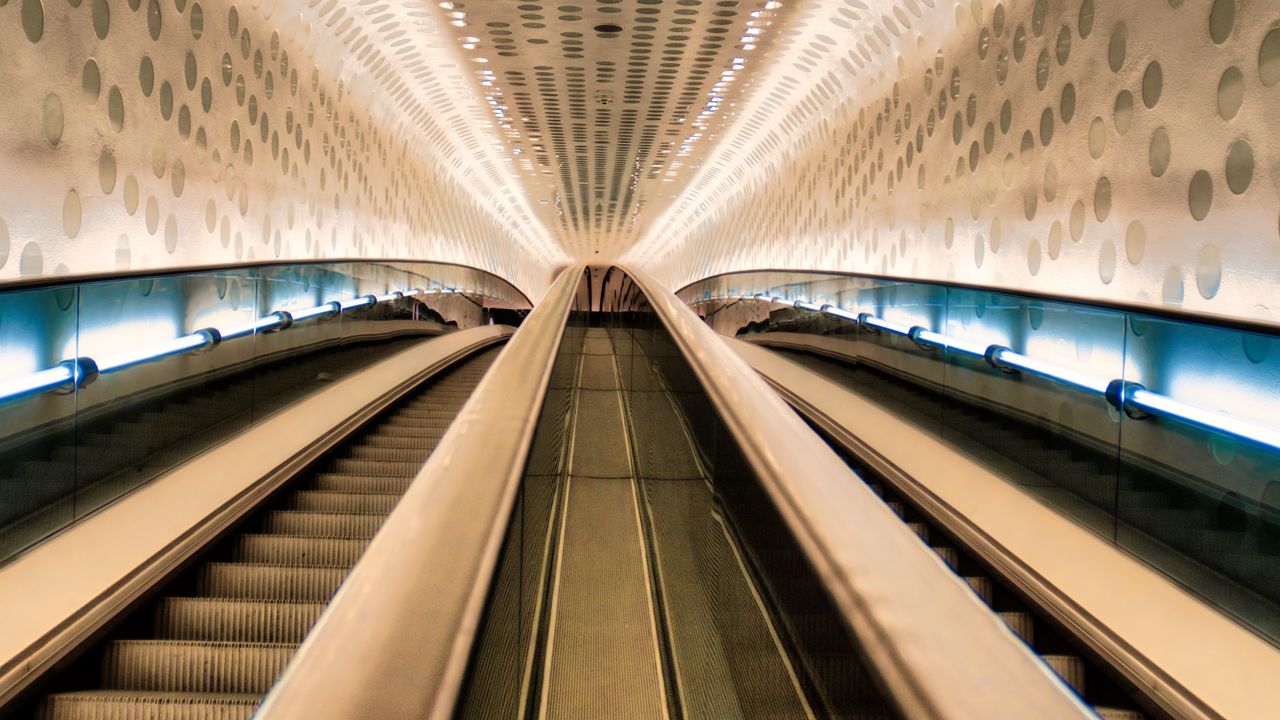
x=215 y=654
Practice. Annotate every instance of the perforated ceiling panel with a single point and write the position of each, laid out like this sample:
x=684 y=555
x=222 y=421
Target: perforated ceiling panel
x=1091 y=148
x=609 y=106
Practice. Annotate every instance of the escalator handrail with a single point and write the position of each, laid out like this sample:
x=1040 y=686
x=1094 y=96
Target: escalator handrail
x=938 y=651
x=395 y=641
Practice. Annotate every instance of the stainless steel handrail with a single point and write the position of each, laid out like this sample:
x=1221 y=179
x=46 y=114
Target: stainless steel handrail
x=938 y=651
x=395 y=641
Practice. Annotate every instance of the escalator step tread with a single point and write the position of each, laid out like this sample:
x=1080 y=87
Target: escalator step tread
x=402 y=442
x=1022 y=624
x=298 y=550
x=1110 y=713
x=386 y=454
x=377 y=467
x=185 y=666
x=185 y=618
x=327 y=501
x=323 y=524
x=287 y=583
x=1070 y=668
x=334 y=482
x=131 y=705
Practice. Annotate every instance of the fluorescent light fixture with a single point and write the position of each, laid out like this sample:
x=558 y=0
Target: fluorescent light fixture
x=176 y=346
x=262 y=324
x=37 y=382
x=355 y=303
x=811 y=307
x=389 y=297
x=326 y=310
x=1089 y=383
x=1158 y=404
x=882 y=324
x=964 y=346
x=841 y=313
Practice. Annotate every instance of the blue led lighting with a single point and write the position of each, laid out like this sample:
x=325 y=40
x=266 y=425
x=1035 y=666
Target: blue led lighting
x=1158 y=404
x=176 y=346
x=841 y=313
x=51 y=379
x=889 y=325
x=262 y=324
x=72 y=371
x=964 y=346
x=326 y=310
x=1018 y=361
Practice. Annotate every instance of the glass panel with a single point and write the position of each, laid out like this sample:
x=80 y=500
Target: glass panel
x=1186 y=478
x=170 y=365
x=37 y=431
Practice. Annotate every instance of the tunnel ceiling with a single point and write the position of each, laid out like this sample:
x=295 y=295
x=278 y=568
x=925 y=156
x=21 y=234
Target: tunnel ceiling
x=609 y=107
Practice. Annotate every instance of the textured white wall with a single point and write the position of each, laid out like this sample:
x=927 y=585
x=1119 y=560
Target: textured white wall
x=162 y=133
x=1089 y=148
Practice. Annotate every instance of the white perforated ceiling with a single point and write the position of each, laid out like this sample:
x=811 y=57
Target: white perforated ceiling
x=610 y=106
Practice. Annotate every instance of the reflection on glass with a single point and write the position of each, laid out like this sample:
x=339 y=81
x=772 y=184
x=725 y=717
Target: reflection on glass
x=1157 y=433
x=105 y=385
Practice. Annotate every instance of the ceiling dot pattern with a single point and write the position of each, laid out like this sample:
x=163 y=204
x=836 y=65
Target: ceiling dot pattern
x=608 y=106
x=166 y=133
x=1123 y=151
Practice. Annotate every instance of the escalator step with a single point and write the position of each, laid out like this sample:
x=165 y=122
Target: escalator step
x=269 y=582
x=322 y=524
x=181 y=666
x=376 y=467
x=982 y=586
x=1070 y=668
x=1108 y=713
x=386 y=454
x=343 y=502
x=298 y=551
x=949 y=555
x=402 y=442
x=253 y=621
x=126 y=705
x=1022 y=624
x=334 y=482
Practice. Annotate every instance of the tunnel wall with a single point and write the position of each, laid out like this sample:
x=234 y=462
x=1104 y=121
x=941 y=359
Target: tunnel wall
x=151 y=134
x=1086 y=148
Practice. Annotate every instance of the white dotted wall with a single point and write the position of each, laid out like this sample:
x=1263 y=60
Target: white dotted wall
x=143 y=134
x=1124 y=151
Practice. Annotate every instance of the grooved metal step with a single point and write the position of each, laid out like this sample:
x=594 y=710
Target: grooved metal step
x=215 y=655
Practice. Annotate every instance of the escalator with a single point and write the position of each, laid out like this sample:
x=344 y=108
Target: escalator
x=216 y=637
x=625 y=589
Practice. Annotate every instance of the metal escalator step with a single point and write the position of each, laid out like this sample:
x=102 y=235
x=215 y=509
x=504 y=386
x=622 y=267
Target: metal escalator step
x=401 y=442
x=1108 y=713
x=949 y=555
x=126 y=705
x=376 y=467
x=1070 y=668
x=253 y=621
x=335 y=482
x=1022 y=624
x=407 y=430
x=343 y=502
x=254 y=581
x=427 y=412
x=322 y=524
x=185 y=666
x=982 y=586
x=920 y=529
x=369 y=452
x=297 y=550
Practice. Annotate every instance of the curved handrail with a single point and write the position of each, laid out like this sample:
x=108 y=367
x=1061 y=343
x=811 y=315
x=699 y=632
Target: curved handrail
x=938 y=651
x=433 y=558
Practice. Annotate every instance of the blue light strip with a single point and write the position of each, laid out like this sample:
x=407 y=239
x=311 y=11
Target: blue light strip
x=52 y=379
x=65 y=374
x=1135 y=397
x=176 y=346
x=1157 y=404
